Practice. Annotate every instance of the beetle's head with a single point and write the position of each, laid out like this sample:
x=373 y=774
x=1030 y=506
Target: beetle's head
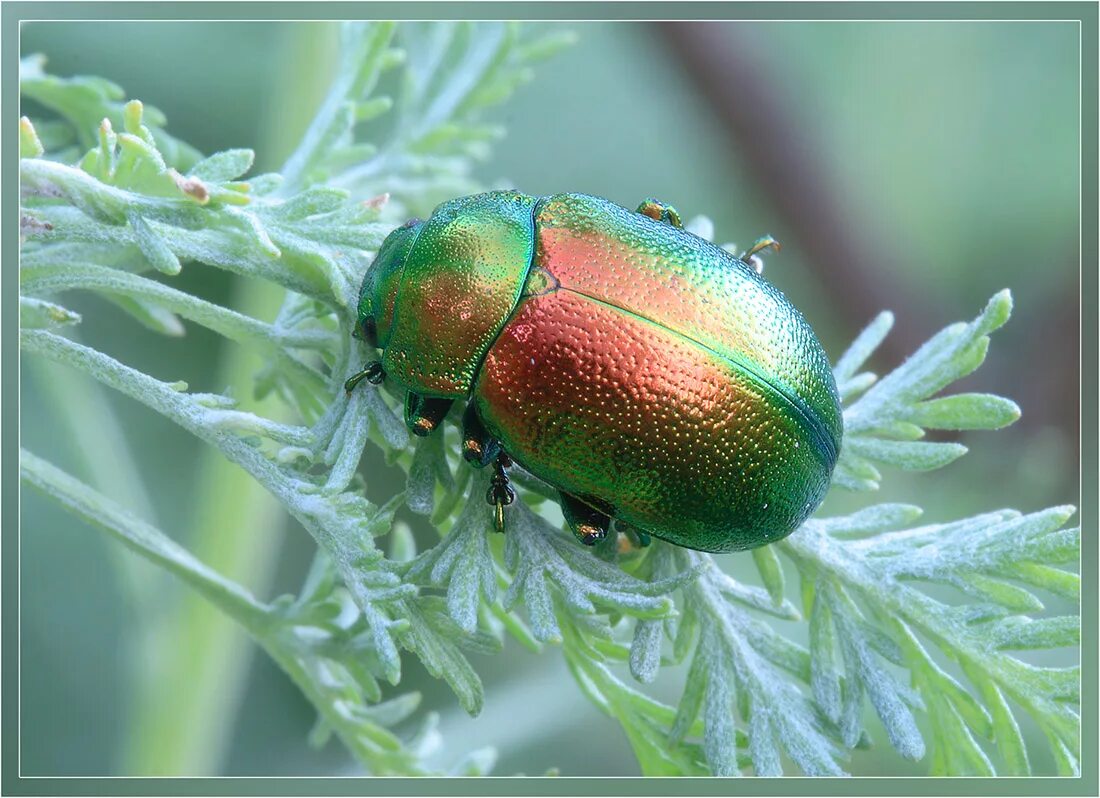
x=378 y=296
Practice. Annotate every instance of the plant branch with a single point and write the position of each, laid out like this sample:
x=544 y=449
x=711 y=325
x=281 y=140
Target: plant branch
x=145 y=539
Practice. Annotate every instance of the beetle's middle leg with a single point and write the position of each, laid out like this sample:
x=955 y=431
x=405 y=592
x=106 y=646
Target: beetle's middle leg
x=479 y=448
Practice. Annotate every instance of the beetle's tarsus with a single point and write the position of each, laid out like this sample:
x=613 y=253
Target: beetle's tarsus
x=372 y=373
x=423 y=414
x=759 y=245
x=479 y=448
x=661 y=211
x=587 y=523
x=500 y=493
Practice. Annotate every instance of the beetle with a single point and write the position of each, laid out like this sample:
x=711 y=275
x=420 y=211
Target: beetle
x=646 y=374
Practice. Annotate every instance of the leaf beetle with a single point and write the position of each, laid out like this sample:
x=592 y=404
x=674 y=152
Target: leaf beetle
x=646 y=374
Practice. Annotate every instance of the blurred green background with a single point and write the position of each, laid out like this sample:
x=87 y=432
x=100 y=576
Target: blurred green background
x=918 y=167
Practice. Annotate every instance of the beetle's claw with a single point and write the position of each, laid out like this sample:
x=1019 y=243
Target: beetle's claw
x=661 y=211
x=500 y=493
x=372 y=373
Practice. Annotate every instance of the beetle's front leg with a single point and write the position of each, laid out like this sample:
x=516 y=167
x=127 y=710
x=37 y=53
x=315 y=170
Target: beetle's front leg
x=423 y=414
x=586 y=522
x=372 y=373
x=661 y=211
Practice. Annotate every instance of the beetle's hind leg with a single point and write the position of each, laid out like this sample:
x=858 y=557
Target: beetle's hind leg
x=661 y=211
x=423 y=414
x=586 y=522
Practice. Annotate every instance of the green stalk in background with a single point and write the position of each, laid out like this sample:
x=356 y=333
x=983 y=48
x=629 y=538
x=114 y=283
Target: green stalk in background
x=187 y=705
x=186 y=711
x=91 y=425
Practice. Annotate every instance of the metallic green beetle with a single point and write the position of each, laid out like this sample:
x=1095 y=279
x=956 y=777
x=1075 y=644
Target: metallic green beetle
x=645 y=373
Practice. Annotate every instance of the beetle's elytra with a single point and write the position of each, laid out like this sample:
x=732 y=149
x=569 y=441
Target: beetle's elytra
x=645 y=373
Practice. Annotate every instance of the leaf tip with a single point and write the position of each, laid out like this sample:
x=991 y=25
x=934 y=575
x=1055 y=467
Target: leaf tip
x=29 y=144
x=132 y=114
x=997 y=311
x=192 y=187
x=1063 y=512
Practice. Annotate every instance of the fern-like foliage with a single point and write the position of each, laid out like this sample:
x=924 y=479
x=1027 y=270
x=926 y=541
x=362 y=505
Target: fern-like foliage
x=944 y=678
x=867 y=617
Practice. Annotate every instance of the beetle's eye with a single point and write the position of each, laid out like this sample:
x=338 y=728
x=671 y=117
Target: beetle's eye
x=411 y=223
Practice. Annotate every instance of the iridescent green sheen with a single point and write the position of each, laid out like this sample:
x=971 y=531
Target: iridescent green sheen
x=623 y=361
x=687 y=284
x=677 y=440
x=378 y=295
x=460 y=284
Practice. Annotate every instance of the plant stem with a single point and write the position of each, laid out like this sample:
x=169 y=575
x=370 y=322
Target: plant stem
x=182 y=724
x=238 y=530
x=143 y=538
x=369 y=741
x=92 y=426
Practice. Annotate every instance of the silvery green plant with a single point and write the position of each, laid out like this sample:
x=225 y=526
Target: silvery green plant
x=113 y=205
